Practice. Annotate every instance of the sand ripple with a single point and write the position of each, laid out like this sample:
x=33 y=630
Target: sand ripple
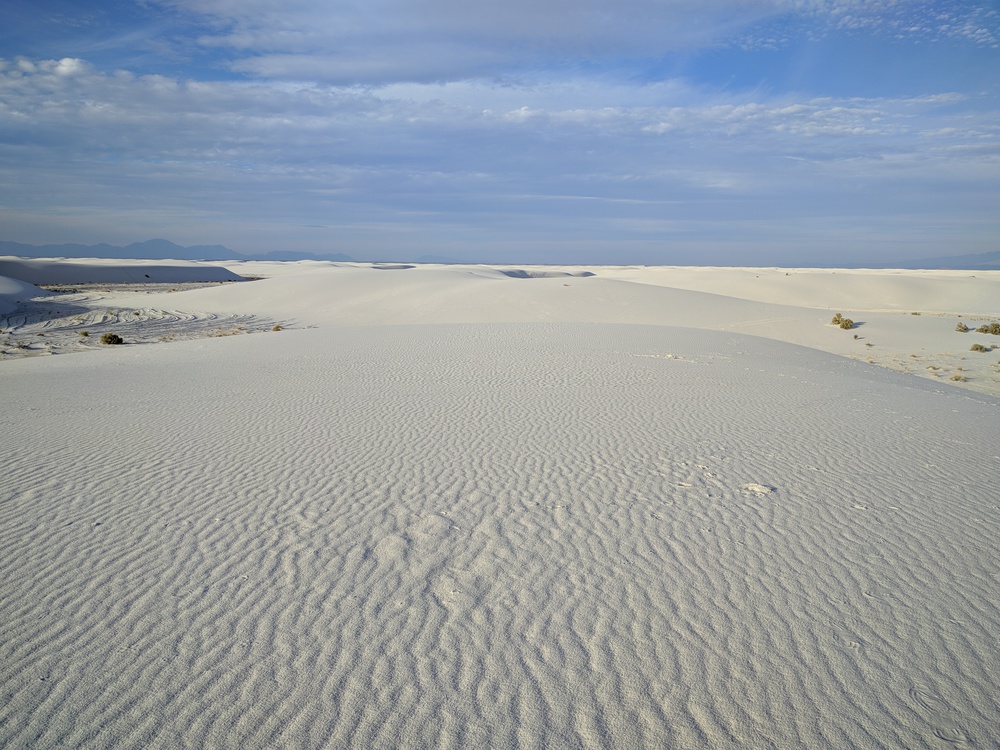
x=495 y=536
x=75 y=321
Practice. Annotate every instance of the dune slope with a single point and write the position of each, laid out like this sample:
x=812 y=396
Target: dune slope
x=905 y=321
x=494 y=535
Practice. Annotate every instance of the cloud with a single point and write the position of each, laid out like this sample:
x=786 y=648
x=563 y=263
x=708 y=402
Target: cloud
x=973 y=23
x=373 y=42
x=436 y=40
x=420 y=124
x=413 y=162
x=73 y=109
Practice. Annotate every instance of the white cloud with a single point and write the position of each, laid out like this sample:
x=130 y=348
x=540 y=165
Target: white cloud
x=902 y=20
x=438 y=121
x=380 y=41
x=383 y=41
x=557 y=136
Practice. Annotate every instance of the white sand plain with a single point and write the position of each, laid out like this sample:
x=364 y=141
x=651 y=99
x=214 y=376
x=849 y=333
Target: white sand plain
x=498 y=507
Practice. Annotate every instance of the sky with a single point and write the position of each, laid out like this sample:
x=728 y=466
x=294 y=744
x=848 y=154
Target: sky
x=717 y=132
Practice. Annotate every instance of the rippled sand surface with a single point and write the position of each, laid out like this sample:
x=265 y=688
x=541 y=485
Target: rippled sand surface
x=495 y=535
x=73 y=318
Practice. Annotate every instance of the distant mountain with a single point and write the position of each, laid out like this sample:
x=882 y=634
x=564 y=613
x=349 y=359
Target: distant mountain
x=149 y=250
x=166 y=250
x=977 y=262
x=155 y=250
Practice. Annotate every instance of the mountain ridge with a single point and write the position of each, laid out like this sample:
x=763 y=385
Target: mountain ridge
x=161 y=249
x=155 y=249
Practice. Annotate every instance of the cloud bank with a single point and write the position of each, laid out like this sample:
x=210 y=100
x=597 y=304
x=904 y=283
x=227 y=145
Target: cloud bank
x=523 y=131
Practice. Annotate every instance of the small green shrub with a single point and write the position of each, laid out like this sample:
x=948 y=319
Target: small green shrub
x=836 y=319
x=111 y=338
x=979 y=348
x=993 y=328
x=846 y=323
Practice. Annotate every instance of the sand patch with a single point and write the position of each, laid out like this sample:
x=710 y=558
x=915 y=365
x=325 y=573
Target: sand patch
x=494 y=535
x=74 y=318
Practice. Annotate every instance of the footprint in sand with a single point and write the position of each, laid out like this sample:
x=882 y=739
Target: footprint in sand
x=848 y=639
x=937 y=713
x=884 y=595
x=455 y=591
x=392 y=549
x=758 y=489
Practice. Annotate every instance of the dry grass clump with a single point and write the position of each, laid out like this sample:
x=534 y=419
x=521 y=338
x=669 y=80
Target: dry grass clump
x=277 y=327
x=845 y=323
x=980 y=348
x=961 y=327
x=958 y=378
x=218 y=332
x=111 y=339
x=993 y=328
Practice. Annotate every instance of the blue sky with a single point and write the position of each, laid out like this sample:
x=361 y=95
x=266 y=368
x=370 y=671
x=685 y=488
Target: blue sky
x=745 y=132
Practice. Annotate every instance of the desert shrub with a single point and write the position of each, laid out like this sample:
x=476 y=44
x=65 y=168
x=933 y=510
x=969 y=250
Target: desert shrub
x=978 y=348
x=846 y=323
x=111 y=338
x=836 y=319
x=277 y=327
x=959 y=378
x=993 y=328
x=961 y=327
x=85 y=333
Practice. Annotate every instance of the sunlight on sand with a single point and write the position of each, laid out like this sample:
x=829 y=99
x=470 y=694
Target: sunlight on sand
x=470 y=506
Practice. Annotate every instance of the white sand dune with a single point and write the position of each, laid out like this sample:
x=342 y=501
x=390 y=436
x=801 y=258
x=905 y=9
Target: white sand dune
x=15 y=291
x=595 y=515
x=98 y=270
x=38 y=322
x=906 y=319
